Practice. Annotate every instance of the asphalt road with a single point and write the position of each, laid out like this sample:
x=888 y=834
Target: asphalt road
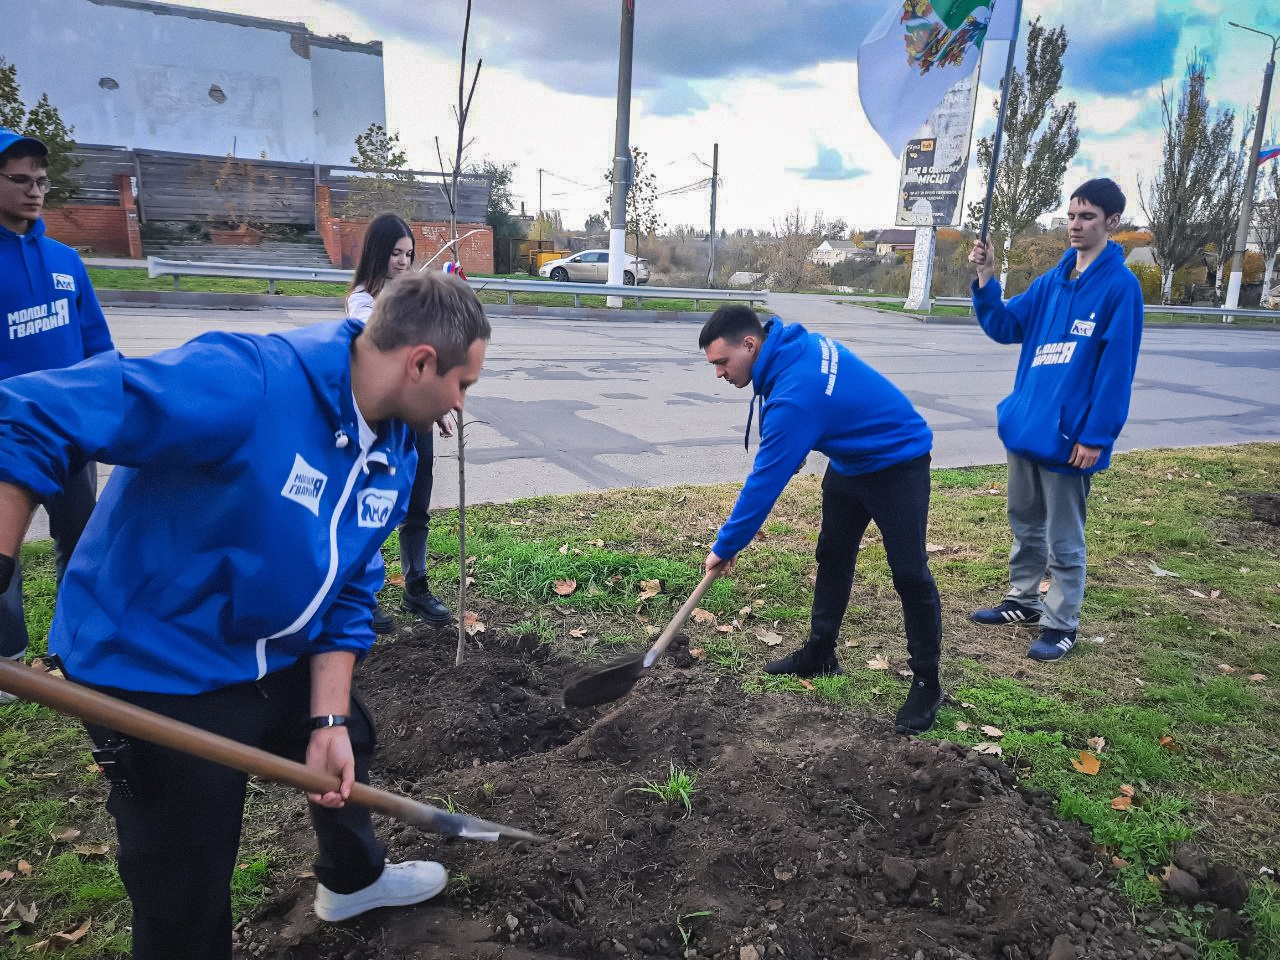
x=568 y=406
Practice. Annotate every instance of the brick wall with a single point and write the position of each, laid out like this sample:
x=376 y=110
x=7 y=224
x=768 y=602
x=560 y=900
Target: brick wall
x=343 y=238
x=97 y=228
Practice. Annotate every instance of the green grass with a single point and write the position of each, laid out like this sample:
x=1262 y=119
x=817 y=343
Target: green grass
x=678 y=789
x=1155 y=675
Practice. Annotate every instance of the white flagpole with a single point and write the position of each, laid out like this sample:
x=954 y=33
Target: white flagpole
x=994 y=170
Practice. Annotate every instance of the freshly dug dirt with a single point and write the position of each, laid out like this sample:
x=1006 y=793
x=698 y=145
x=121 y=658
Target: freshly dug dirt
x=813 y=832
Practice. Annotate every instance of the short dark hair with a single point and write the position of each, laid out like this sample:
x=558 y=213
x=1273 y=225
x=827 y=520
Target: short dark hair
x=430 y=307
x=26 y=148
x=733 y=322
x=380 y=239
x=1103 y=193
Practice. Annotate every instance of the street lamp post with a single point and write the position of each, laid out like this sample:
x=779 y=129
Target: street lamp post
x=1251 y=175
x=621 y=153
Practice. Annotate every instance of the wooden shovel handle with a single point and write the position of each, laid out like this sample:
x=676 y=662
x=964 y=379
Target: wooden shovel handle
x=94 y=707
x=681 y=616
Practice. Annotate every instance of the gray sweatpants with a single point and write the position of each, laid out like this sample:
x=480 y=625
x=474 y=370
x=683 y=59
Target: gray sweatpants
x=1046 y=515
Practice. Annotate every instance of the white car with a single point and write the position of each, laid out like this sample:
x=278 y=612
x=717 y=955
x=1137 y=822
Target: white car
x=592 y=266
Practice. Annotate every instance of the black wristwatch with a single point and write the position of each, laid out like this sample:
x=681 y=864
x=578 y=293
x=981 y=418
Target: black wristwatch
x=328 y=720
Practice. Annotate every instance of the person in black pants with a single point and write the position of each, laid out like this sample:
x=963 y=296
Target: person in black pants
x=418 y=597
x=815 y=394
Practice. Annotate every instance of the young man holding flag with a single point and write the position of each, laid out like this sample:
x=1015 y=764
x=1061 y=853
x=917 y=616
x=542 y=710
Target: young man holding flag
x=1080 y=326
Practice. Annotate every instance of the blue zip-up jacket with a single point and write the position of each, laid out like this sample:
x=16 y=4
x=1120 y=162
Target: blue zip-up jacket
x=52 y=316
x=239 y=532
x=817 y=395
x=1080 y=342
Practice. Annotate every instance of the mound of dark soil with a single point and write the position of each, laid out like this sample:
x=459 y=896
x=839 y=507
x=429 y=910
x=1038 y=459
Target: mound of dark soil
x=812 y=833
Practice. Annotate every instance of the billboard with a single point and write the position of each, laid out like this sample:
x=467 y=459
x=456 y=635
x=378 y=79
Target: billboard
x=935 y=164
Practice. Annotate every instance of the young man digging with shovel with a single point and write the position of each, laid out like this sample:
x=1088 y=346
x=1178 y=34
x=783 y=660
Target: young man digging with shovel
x=816 y=395
x=225 y=578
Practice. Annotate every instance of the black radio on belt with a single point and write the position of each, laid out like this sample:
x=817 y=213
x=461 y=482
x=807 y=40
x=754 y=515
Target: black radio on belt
x=115 y=760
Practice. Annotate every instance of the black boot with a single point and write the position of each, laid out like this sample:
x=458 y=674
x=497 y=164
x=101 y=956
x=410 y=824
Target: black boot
x=808 y=661
x=920 y=712
x=383 y=622
x=420 y=601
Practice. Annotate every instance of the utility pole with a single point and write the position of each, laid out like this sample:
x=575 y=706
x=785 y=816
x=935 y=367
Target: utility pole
x=539 y=193
x=1251 y=176
x=715 y=176
x=622 y=166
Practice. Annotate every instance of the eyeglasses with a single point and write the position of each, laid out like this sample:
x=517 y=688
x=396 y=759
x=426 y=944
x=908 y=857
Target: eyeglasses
x=24 y=182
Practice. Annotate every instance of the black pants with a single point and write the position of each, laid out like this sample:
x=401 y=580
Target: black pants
x=180 y=831
x=413 y=531
x=897 y=499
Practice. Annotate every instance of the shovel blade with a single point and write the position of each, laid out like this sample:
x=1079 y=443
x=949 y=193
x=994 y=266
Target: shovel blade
x=597 y=685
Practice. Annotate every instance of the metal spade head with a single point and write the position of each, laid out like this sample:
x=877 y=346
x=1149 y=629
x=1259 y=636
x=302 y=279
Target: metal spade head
x=596 y=685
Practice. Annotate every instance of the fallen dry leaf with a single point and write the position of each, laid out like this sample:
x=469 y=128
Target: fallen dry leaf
x=966 y=706
x=703 y=616
x=1226 y=668
x=806 y=684
x=1148 y=523
x=1170 y=744
x=395 y=580
x=994 y=749
x=963 y=725
x=933 y=548
x=1121 y=803
x=696 y=652
x=60 y=941
x=878 y=662
x=1214 y=594
x=1119 y=862
x=578 y=634
x=6 y=876
x=995 y=733
x=852 y=643
x=24 y=868
x=1097 y=744
x=472 y=624
x=1257 y=677
x=1127 y=789
x=65 y=835
x=91 y=849
x=769 y=638
x=1160 y=571
x=724 y=628
x=1087 y=763
x=745 y=612
x=564 y=549
x=565 y=587
x=1197 y=593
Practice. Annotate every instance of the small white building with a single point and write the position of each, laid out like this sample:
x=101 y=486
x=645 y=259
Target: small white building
x=830 y=252
x=158 y=76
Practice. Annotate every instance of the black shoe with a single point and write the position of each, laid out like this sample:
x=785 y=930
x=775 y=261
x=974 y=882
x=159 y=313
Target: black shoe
x=1009 y=612
x=420 y=601
x=383 y=622
x=920 y=712
x=806 y=662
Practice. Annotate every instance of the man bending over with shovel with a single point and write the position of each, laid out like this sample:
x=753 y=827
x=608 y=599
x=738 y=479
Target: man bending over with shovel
x=816 y=395
x=225 y=578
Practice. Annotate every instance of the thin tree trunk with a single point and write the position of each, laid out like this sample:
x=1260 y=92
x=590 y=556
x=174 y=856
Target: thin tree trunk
x=1266 y=277
x=462 y=545
x=1166 y=285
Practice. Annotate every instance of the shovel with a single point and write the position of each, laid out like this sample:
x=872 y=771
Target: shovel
x=94 y=707
x=597 y=685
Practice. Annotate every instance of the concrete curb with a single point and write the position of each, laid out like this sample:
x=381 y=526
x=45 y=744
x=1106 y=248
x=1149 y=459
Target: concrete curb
x=254 y=301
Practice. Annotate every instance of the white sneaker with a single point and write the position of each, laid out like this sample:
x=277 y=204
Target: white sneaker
x=400 y=885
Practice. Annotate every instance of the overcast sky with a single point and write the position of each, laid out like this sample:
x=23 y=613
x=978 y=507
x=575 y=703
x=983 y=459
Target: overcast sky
x=773 y=81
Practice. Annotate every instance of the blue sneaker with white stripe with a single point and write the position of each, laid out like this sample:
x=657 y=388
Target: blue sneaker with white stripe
x=1052 y=644
x=1010 y=611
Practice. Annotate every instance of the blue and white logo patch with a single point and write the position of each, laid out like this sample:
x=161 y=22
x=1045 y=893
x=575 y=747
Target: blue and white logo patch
x=373 y=507
x=305 y=485
x=64 y=281
x=1082 y=328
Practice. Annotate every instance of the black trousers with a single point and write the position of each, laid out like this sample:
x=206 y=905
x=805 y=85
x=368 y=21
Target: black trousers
x=180 y=830
x=413 y=531
x=897 y=499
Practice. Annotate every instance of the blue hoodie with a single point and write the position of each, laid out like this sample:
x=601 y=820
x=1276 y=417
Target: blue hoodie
x=52 y=316
x=817 y=395
x=240 y=530
x=1080 y=342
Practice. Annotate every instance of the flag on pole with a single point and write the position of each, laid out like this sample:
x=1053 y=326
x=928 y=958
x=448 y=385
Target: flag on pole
x=1268 y=153
x=917 y=52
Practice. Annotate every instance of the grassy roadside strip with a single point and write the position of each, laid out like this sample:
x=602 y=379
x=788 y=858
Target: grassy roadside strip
x=135 y=278
x=1180 y=639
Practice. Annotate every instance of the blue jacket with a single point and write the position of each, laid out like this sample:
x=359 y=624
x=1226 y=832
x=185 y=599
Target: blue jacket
x=239 y=532
x=1080 y=344
x=52 y=316
x=817 y=395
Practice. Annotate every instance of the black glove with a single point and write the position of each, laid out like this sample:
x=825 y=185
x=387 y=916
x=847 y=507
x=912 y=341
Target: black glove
x=7 y=566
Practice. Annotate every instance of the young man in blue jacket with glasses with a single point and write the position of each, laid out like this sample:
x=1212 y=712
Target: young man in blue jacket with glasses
x=815 y=394
x=1080 y=326
x=227 y=578
x=52 y=320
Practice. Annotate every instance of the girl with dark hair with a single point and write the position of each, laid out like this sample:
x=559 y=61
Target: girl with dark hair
x=386 y=254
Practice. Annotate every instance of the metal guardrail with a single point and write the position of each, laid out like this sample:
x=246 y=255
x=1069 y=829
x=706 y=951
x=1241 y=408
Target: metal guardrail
x=1155 y=309
x=158 y=267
